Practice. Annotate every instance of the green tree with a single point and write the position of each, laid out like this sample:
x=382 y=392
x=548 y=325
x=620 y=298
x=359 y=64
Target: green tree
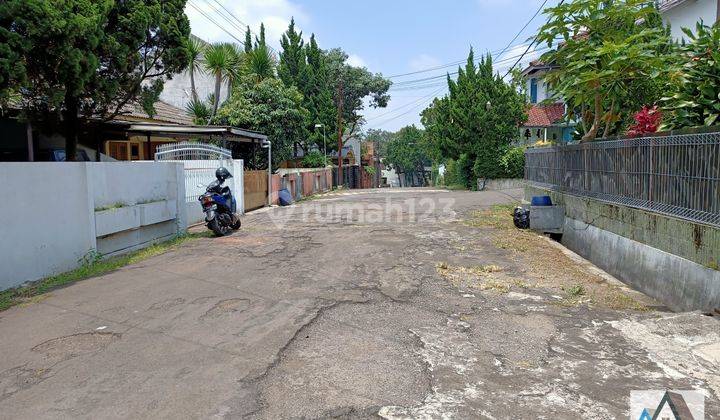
x=352 y=87
x=606 y=47
x=319 y=96
x=292 y=69
x=220 y=62
x=104 y=54
x=270 y=107
x=695 y=99
x=407 y=154
x=195 y=48
x=381 y=139
x=259 y=63
x=475 y=123
x=248 y=45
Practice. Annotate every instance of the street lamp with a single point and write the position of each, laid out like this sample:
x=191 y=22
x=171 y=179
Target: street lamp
x=324 y=142
x=266 y=144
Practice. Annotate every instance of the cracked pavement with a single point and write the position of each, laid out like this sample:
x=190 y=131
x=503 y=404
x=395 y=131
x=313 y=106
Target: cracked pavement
x=360 y=304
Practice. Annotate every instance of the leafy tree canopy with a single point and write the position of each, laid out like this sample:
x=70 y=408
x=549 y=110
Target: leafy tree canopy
x=611 y=55
x=695 y=99
x=476 y=121
x=408 y=152
x=89 y=57
x=270 y=107
x=356 y=84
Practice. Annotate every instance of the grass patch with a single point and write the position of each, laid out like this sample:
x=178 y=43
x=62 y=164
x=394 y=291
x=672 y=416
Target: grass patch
x=576 y=290
x=456 y=187
x=619 y=300
x=91 y=265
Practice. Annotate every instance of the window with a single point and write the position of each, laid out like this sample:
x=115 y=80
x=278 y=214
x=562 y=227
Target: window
x=118 y=150
x=134 y=151
x=533 y=90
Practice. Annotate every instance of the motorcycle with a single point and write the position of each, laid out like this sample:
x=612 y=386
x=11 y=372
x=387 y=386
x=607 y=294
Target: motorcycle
x=220 y=206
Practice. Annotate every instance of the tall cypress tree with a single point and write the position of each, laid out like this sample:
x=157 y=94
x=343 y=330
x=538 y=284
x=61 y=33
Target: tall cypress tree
x=248 y=40
x=478 y=119
x=319 y=95
x=292 y=68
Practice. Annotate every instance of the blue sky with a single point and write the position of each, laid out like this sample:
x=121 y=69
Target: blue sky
x=390 y=37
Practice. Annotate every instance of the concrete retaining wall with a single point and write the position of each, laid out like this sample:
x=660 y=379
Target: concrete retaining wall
x=502 y=184
x=53 y=214
x=672 y=260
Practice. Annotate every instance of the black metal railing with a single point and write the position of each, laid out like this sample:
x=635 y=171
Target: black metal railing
x=677 y=175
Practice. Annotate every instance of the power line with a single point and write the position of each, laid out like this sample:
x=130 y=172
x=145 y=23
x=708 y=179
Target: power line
x=427 y=82
x=494 y=53
x=429 y=98
x=422 y=98
x=202 y=12
x=537 y=12
x=232 y=15
x=528 y=47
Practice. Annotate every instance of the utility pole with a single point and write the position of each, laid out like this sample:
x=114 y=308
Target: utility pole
x=376 y=153
x=340 y=131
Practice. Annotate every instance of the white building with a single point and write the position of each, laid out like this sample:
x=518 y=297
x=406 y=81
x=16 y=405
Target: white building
x=177 y=90
x=685 y=13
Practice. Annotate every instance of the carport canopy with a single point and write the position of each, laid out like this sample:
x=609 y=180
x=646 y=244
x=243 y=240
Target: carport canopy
x=219 y=132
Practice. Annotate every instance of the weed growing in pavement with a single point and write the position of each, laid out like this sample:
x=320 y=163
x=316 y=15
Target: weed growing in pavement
x=90 y=265
x=576 y=290
x=544 y=265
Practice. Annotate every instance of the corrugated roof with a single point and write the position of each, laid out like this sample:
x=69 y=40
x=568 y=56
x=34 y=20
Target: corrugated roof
x=545 y=115
x=164 y=112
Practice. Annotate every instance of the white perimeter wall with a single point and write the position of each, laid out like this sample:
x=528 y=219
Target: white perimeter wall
x=48 y=217
x=688 y=13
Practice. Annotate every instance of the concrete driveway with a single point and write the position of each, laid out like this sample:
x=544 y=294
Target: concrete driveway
x=392 y=303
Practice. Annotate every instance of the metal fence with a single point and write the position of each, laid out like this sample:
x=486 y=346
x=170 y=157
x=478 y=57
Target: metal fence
x=674 y=175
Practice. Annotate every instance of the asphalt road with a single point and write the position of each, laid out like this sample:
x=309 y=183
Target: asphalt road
x=361 y=304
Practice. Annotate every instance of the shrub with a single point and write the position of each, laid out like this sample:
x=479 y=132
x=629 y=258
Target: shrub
x=513 y=162
x=647 y=121
x=695 y=100
x=313 y=159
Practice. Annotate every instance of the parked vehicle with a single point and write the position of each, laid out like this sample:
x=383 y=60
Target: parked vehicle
x=58 y=155
x=220 y=206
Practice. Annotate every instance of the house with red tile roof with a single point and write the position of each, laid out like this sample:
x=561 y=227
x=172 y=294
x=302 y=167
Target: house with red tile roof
x=546 y=115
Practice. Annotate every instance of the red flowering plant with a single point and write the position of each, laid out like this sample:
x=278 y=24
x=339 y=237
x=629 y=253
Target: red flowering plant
x=647 y=121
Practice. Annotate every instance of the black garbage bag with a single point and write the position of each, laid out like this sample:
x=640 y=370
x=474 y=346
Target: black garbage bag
x=521 y=218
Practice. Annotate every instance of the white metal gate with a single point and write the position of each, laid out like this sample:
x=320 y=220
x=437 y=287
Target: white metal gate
x=200 y=161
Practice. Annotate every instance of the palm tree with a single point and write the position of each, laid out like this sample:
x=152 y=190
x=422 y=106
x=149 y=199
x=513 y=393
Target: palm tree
x=218 y=62
x=199 y=111
x=196 y=47
x=235 y=70
x=259 y=63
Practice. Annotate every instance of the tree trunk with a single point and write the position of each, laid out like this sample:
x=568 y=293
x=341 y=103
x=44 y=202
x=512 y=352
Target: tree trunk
x=216 y=102
x=193 y=91
x=590 y=134
x=229 y=90
x=606 y=131
x=71 y=127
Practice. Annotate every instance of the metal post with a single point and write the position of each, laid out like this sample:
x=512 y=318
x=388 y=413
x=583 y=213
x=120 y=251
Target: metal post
x=325 y=144
x=269 y=147
x=30 y=145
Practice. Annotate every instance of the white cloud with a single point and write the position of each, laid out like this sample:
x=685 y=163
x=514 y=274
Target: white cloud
x=356 y=61
x=424 y=61
x=275 y=14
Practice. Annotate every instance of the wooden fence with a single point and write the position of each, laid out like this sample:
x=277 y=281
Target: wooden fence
x=256 y=189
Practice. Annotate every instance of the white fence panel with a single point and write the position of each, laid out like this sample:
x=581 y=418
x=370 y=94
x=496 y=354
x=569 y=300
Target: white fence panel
x=199 y=173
